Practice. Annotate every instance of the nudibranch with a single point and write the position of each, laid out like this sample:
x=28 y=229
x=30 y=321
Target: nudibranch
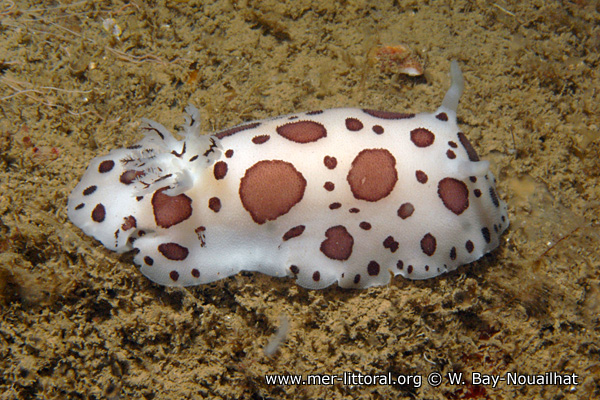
x=348 y=195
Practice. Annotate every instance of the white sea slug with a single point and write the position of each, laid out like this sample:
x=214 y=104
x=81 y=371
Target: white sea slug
x=346 y=195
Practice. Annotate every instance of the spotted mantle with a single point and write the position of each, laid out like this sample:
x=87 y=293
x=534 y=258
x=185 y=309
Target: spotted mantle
x=353 y=196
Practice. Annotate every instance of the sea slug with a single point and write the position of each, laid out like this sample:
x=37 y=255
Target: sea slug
x=348 y=195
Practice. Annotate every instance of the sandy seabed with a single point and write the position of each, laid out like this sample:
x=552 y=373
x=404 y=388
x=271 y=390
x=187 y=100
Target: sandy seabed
x=80 y=322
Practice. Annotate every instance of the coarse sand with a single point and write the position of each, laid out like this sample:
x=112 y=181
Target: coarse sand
x=80 y=322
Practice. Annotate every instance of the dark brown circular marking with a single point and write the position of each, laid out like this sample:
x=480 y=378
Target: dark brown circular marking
x=494 y=197
x=220 y=170
x=236 y=129
x=428 y=244
x=450 y=154
x=302 y=131
x=469 y=246
x=378 y=129
x=356 y=279
x=90 y=190
x=400 y=264
x=129 y=223
x=373 y=174
x=471 y=153
x=98 y=213
x=421 y=176
x=330 y=162
x=365 y=225
x=373 y=268
x=452 y=144
x=174 y=275
x=335 y=206
x=139 y=198
x=79 y=206
x=173 y=251
x=503 y=218
x=486 y=234
x=315 y=112
x=293 y=232
x=354 y=211
x=388 y=114
x=453 y=253
x=339 y=243
x=260 y=139
x=295 y=270
x=477 y=193
x=229 y=153
x=316 y=276
x=170 y=210
x=130 y=175
x=427 y=268
x=454 y=194
x=270 y=189
x=214 y=203
x=195 y=273
x=390 y=243
x=406 y=210
x=329 y=186
x=422 y=137
x=353 y=124
x=473 y=179
x=106 y=166
x=148 y=260
x=442 y=116
x=409 y=269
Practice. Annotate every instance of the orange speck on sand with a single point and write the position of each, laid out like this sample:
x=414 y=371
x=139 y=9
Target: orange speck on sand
x=396 y=59
x=44 y=154
x=193 y=77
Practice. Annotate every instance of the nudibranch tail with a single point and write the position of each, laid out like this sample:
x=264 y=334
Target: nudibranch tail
x=450 y=102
